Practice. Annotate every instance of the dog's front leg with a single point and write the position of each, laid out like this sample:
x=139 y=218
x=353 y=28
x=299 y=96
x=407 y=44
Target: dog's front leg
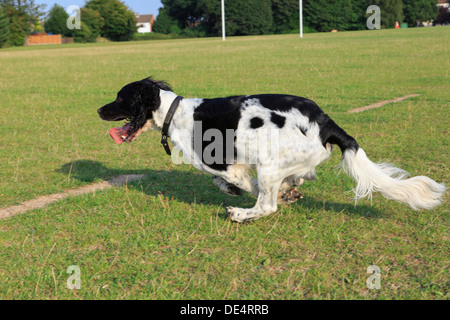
x=235 y=179
x=226 y=187
x=265 y=205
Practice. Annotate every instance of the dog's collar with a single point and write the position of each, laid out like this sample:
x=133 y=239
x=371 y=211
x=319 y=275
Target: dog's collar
x=167 y=121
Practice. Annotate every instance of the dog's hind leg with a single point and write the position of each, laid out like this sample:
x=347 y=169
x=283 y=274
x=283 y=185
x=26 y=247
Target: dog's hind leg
x=288 y=191
x=289 y=196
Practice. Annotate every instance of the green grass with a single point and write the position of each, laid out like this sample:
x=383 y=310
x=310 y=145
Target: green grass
x=167 y=236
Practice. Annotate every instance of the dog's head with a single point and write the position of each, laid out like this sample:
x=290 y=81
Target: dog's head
x=135 y=103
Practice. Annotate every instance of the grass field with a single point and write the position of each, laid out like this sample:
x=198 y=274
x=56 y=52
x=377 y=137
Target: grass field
x=167 y=236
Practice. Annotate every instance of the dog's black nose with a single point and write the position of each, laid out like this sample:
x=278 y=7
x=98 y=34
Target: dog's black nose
x=99 y=110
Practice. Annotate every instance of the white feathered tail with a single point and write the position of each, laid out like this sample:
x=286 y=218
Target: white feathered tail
x=417 y=192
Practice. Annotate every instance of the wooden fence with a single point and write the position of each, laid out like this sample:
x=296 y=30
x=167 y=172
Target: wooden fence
x=44 y=39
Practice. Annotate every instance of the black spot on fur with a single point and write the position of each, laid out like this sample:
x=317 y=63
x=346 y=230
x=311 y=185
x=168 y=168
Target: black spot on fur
x=256 y=123
x=285 y=103
x=220 y=114
x=278 y=120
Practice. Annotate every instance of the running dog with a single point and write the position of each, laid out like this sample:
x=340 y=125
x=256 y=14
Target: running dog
x=283 y=137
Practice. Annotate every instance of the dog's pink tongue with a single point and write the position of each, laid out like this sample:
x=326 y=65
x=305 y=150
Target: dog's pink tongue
x=118 y=133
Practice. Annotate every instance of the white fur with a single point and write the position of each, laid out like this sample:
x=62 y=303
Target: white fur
x=284 y=157
x=417 y=192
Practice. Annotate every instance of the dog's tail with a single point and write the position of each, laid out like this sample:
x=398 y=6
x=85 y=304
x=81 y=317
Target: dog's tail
x=417 y=192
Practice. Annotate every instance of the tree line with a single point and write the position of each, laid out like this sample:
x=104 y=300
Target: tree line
x=203 y=17
x=110 y=19
x=113 y=20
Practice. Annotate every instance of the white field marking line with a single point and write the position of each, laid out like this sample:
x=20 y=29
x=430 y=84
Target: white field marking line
x=43 y=201
x=382 y=103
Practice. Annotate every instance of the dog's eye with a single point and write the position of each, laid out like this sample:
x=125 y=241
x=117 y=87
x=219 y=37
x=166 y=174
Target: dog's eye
x=119 y=99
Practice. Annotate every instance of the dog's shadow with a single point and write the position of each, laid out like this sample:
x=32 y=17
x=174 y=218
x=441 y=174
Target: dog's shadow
x=192 y=186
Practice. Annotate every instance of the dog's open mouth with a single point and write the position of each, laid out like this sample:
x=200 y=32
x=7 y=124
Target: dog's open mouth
x=127 y=133
x=123 y=134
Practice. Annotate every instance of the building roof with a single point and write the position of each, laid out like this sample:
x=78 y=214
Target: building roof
x=142 y=18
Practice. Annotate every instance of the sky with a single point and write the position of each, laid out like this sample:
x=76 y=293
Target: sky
x=139 y=6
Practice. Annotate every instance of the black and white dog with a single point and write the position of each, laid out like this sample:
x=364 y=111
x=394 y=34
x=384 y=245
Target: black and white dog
x=283 y=137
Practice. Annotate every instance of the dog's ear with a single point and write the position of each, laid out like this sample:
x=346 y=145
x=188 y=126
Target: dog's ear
x=163 y=85
x=146 y=95
x=145 y=99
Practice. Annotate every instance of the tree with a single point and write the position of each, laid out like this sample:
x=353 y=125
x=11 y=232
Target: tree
x=19 y=27
x=209 y=15
x=57 y=21
x=120 y=23
x=186 y=12
x=248 y=17
x=21 y=14
x=359 y=14
x=391 y=11
x=319 y=15
x=4 y=27
x=419 y=11
x=285 y=15
x=91 y=26
x=37 y=26
x=327 y=15
x=165 y=23
x=28 y=7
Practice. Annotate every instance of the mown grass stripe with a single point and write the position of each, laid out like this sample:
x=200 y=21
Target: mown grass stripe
x=382 y=103
x=43 y=201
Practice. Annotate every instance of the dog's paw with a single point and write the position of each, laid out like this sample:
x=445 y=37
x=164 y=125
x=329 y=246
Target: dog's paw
x=236 y=214
x=289 y=196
